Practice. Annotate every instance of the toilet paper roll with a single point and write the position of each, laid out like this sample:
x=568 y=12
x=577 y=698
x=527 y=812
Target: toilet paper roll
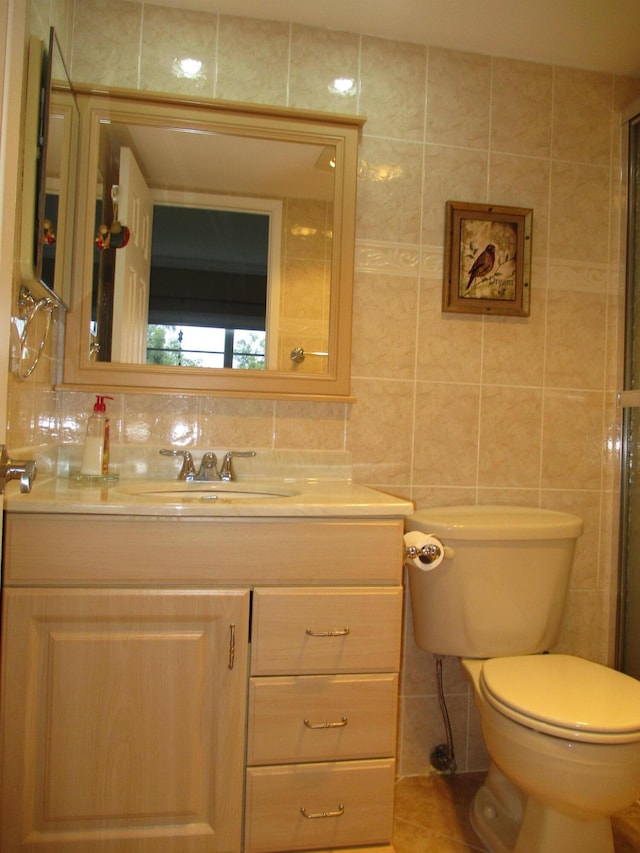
x=423 y=550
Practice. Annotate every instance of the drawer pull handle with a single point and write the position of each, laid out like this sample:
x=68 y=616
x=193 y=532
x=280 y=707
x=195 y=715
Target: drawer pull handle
x=340 y=633
x=336 y=725
x=232 y=645
x=315 y=815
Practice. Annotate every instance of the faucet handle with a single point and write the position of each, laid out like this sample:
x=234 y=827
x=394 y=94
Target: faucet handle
x=226 y=471
x=14 y=469
x=187 y=471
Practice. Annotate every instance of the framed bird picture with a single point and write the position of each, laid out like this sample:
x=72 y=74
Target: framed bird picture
x=487 y=259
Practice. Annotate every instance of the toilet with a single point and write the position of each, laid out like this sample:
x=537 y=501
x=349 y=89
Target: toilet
x=562 y=733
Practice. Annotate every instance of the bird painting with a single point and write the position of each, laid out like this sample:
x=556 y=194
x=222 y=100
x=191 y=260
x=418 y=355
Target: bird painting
x=482 y=265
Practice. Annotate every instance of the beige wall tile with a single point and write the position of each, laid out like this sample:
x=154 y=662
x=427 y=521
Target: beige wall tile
x=521 y=108
x=510 y=429
x=574 y=464
x=450 y=174
x=449 y=346
x=446 y=433
x=458 y=98
x=582 y=116
x=579 y=212
x=309 y=426
x=576 y=338
x=393 y=88
x=106 y=43
x=384 y=326
x=236 y=424
x=174 y=34
x=253 y=59
x=389 y=190
x=318 y=58
x=379 y=430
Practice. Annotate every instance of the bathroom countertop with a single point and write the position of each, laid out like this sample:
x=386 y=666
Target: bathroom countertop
x=135 y=496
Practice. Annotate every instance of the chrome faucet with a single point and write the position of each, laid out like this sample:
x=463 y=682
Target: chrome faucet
x=226 y=471
x=208 y=468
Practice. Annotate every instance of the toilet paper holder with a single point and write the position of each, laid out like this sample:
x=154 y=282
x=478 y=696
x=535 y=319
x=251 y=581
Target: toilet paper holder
x=426 y=553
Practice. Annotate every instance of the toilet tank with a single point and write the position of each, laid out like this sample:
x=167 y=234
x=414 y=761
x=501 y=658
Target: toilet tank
x=502 y=587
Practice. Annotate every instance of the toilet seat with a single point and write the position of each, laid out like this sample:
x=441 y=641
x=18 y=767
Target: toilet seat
x=564 y=696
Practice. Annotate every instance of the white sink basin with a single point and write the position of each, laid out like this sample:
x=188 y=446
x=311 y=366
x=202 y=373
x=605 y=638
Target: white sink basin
x=179 y=492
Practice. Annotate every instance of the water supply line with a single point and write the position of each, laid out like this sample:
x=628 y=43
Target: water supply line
x=443 y=756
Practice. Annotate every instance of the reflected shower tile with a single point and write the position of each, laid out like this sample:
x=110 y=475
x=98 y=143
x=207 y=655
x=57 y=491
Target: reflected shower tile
x=106 y=43
x=393 y=78
x=323 y=70
x=252 y=60
x=178 y=51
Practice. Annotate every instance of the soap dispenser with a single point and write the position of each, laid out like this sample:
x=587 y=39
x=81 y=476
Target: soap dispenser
x=95 y=456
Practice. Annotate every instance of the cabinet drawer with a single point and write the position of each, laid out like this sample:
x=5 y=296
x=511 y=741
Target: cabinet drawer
x=321 y=718
x=314 y=806
x=329 y=630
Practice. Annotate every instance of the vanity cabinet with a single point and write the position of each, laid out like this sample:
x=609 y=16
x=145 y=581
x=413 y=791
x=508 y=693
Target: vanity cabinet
x=322 y=712
x=198 y=714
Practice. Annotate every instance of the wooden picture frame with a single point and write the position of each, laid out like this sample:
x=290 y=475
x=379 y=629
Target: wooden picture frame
x=487 y=259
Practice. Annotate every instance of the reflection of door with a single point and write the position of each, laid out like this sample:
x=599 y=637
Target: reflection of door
x=133 y=264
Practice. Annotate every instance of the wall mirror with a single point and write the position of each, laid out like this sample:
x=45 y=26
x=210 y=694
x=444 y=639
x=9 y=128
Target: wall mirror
x=213 y=247
x=50 y=139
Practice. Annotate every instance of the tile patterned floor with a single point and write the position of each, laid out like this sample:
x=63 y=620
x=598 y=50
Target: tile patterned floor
x=432 y=816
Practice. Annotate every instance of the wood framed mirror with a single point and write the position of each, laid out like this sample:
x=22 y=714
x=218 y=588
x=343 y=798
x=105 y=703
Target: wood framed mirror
x=214 y=248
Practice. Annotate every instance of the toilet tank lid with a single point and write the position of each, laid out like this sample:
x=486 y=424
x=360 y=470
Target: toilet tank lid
x=496 y=522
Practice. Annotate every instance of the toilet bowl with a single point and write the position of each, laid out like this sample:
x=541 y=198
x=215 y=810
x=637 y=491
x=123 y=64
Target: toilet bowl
x=562 y=771
x=562 y=733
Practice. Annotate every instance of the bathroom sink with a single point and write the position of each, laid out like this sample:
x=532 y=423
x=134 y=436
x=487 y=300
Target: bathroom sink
x=173 y=492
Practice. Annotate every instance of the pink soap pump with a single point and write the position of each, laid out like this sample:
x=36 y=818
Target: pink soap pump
x=95 y=456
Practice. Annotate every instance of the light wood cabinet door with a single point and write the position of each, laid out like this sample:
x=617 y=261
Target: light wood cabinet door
x=123 y=716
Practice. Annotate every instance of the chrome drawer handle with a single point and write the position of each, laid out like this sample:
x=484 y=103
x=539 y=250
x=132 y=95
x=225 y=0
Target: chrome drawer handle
x=316 y=815
x=337 y=725
x=342 y=633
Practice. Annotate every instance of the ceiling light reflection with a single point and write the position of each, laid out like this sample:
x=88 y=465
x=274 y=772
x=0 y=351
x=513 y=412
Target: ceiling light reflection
x=379 y=172
x=345 y=86
x=188 y=68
